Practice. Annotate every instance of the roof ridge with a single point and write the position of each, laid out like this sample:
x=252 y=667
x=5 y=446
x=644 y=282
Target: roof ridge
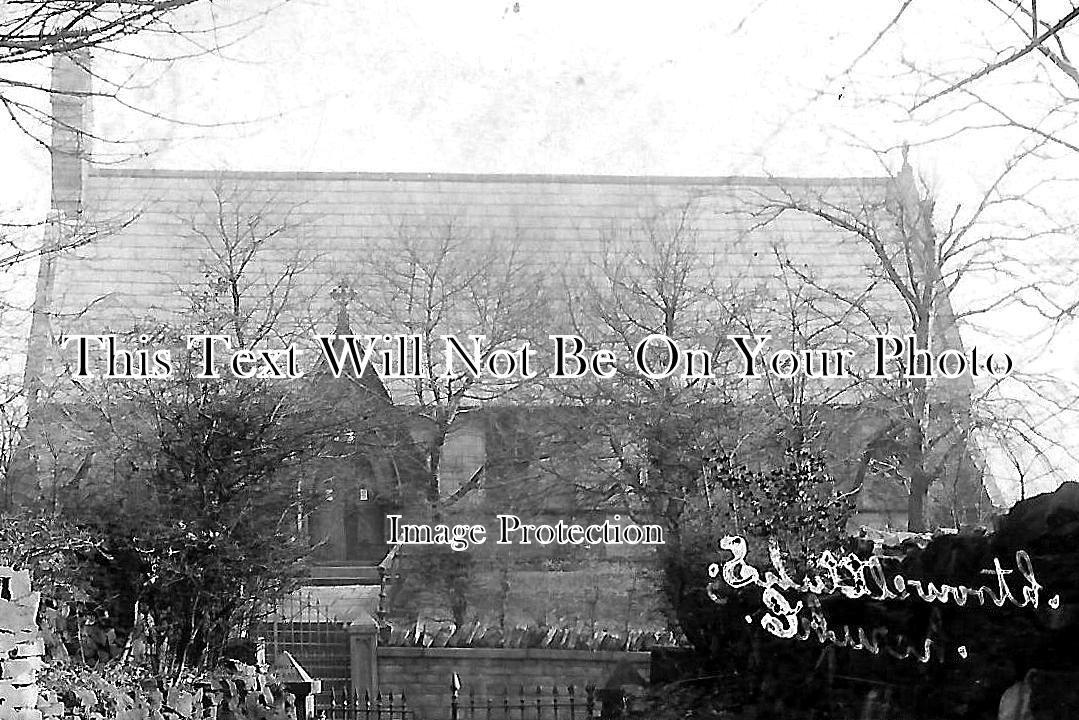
x=492 y=177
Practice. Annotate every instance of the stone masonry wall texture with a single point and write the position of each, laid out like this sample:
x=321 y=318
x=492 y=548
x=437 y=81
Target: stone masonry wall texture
x=21 y=646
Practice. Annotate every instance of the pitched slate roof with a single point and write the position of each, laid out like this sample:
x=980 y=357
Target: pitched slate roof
x=157 y=230
x=157 y=247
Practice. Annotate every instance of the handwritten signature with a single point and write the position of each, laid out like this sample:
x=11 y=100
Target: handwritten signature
x=854 y=577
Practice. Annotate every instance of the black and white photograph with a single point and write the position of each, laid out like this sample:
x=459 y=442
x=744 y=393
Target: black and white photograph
x=539 y=360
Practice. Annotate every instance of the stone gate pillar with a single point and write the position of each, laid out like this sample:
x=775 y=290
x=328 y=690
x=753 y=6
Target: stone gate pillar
x=363 y=656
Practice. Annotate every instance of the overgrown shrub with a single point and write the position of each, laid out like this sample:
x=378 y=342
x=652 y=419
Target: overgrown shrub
x=795 y=505
x=120 y=691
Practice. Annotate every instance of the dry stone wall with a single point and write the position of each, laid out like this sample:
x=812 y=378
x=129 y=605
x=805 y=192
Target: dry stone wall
x=21 y=646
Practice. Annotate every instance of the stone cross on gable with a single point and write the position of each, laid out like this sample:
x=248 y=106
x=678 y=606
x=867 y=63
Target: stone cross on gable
x=342 y=295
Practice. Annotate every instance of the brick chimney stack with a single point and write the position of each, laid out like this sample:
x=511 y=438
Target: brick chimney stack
x=70 y=147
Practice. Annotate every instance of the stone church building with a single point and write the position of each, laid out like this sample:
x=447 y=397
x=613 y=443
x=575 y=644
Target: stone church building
x=131 y=244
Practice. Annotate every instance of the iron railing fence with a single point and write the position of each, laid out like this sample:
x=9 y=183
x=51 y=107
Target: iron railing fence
x=351 y=706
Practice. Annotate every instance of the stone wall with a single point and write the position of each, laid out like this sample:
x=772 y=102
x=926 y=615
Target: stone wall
x=425 y=674
x=21 y=646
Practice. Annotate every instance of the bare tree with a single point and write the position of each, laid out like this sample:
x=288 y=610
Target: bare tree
x=31 y=32
x=1019 y=37
x=99 y=53
x=257 y=269
x=448 y=281
x=36 y=30
x=1041 y=36
x=638 y=443
x=935 y=422
x=628 y=442
x=200 y=489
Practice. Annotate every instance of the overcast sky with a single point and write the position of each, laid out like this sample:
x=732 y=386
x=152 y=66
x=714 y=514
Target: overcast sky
x=694 y=88
x=599 y=87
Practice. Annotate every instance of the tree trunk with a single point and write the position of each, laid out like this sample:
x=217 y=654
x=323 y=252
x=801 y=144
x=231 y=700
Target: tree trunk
x=919 y=424
x=919 y=489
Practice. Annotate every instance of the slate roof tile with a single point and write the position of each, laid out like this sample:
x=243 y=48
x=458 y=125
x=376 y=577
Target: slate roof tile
x=137 y=272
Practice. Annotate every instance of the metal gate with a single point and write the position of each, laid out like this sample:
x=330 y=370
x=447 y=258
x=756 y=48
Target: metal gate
x=349 y=706
x=315 y=637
